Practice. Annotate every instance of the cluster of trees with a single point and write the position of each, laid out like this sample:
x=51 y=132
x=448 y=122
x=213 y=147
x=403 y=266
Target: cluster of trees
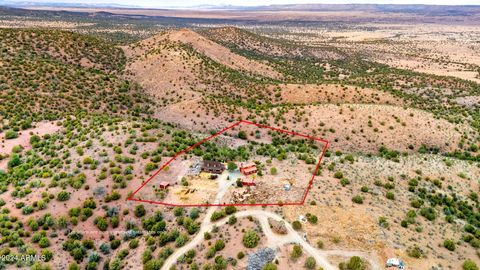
x=32 y=57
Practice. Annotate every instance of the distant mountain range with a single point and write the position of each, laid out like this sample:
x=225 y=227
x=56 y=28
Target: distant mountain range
x=432 y=10
x=436 y=10
x=58 y=4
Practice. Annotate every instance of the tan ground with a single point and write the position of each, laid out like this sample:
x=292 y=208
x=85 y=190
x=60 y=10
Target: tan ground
x=163 y=71
x=352 y=119
x=346 y=126
x=342 y=223
x=221 y=54
x=270 y=188
x=170 y=72
x=332 y=93
x=439 y=49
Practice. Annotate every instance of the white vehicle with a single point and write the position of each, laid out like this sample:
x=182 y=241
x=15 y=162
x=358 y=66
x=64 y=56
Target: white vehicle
x=394 y=262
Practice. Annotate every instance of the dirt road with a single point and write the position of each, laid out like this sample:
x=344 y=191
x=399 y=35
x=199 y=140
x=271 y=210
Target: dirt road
x=273 y=240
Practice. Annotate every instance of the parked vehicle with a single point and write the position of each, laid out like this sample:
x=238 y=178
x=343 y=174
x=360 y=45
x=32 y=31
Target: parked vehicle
x=394 y=262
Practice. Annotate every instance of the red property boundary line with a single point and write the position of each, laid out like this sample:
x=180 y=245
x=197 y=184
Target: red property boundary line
x=131 y=198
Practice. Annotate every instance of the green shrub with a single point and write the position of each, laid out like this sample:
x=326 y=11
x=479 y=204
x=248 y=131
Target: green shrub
x=429 y=213
x=242 y=135
x=250 y=239
x=181 y=240
x=269 y=266
x=139 y=211
x=150 y=166
x=230 y=210
x=43 y=243
x=415 y=252
x=231 y=166
x=344 y=182
x=194 y=213
x=296 y=252
x=449 y=244
x=14 y=161
x=63 y=196
x=133 y=244
x=313 y=219
x=219 y=245
x=297 y=225
x=357 y=199
x=338 y=175
x=320 y=244
x=240 y=255
x=10 y=134
x=469 y=265
x=17 y=149
x=101 y=223
x=26 y=210
x=355 y=263
x=218 y=215
x=310 y=263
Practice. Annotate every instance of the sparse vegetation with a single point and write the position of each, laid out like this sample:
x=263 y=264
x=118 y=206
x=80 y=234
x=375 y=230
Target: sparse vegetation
x=80 y=132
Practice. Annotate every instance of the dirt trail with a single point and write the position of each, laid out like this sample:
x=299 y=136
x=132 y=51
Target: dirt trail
x=273 y=240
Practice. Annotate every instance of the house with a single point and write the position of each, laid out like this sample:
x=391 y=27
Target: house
x=211 y=166
x=248 y=182
x=248 y=168
x=164 y=185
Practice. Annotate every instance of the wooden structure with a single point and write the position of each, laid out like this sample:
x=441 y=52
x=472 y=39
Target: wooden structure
x=164 y=185
x=248 y=182
x=211 y=166
x=248 y=168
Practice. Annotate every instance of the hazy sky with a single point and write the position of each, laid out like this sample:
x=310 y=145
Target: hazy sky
x=185 y=3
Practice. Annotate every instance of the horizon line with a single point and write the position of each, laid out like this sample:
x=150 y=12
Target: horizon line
x=41 y=3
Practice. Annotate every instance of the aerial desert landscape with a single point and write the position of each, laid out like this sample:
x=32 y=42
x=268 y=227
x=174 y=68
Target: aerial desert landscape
x=313 y=136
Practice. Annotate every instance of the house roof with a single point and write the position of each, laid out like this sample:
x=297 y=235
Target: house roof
x=163 y=183
x=248 y=164
x=210 y=164
x=249 y=169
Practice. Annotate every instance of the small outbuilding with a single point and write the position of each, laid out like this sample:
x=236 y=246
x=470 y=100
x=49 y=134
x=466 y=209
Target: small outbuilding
x=164 y=185
x=248 y=168
x=211 y=166
x=248 y=182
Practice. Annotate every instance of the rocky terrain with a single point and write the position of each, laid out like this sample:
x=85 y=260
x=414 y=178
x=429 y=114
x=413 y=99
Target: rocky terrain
x=94 y=103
